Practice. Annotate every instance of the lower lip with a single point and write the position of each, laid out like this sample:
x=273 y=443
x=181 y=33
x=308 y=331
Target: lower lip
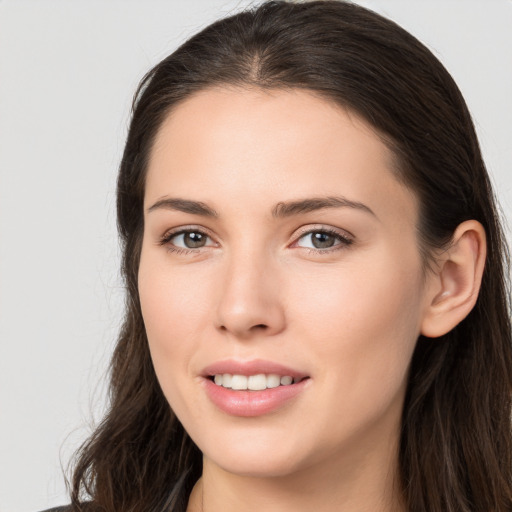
x=252 y=403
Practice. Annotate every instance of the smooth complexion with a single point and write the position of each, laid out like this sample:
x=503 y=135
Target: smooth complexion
x=276 y=233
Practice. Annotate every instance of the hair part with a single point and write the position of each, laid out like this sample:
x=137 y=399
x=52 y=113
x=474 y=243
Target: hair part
x=455 y=450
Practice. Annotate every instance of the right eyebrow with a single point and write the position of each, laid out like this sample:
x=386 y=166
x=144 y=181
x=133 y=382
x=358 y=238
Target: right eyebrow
x=183 y=205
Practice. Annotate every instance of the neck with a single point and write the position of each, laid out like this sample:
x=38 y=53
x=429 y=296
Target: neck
x=348 y=482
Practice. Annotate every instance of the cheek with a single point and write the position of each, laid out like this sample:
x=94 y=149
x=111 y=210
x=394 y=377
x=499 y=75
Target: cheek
x=359 y=300
x=171 y=302
x=173 y=320
x=362 y=328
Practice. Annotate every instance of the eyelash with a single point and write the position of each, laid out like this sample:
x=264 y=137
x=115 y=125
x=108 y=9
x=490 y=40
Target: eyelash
x=343 y=240
x=167 y=237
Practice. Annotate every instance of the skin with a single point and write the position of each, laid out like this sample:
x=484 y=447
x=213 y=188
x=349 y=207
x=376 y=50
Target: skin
x=348 y=316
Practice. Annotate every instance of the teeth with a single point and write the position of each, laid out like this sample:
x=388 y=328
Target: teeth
x=257 y=382
x=226 y=380
x=239 y=382
x=254 y=382
x=273 y=381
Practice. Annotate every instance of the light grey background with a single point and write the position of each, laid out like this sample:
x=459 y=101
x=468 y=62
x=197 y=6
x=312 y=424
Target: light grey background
x=67 y=74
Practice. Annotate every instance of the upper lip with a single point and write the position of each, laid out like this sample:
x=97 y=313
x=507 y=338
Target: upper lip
x=252 y=367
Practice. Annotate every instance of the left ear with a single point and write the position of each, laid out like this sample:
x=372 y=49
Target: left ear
x=454 y=287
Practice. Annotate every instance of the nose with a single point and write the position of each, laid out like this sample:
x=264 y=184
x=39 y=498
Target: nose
x=250 y=298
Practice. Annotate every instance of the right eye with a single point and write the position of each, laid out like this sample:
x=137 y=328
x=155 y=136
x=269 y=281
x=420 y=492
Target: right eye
x=187 y=239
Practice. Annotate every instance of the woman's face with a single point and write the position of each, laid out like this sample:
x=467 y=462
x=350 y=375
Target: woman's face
x=278 y=244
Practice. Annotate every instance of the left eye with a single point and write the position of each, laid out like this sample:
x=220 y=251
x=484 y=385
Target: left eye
x=321 y=240
x=190 y=240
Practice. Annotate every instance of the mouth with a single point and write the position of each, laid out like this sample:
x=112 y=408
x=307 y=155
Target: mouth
x=258 y=382
x=253 y=388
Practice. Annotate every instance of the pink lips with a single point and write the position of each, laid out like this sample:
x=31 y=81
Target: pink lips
x=251 y=403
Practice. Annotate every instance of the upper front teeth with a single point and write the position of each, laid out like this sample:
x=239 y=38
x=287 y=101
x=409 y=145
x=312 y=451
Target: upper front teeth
x=253 y=382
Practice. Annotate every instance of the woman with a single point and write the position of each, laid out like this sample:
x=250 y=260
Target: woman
x=317 y=315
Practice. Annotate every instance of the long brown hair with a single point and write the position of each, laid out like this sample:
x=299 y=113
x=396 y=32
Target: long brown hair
x=455 y=446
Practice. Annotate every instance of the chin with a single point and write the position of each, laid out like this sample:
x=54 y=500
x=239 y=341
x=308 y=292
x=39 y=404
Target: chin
x=280 y=455
x=249 y=465
x=252 y=452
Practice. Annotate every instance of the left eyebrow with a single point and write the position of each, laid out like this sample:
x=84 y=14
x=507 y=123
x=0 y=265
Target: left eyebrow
x=287 y=209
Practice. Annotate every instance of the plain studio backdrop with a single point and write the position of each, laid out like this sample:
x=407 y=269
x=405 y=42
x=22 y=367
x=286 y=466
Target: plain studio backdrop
x=67 y=74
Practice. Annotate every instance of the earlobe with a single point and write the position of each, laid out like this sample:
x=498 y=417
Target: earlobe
x=456 y=282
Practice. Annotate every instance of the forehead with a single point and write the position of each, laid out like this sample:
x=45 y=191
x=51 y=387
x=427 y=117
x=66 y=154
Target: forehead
x=269 y=144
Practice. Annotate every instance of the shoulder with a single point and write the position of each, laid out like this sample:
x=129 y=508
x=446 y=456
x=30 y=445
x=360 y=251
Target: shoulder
x=66 y=508
x=87 y=506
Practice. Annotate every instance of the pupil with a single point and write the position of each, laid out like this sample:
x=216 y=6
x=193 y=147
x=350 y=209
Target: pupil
x=322 y=240
x=193 y=240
